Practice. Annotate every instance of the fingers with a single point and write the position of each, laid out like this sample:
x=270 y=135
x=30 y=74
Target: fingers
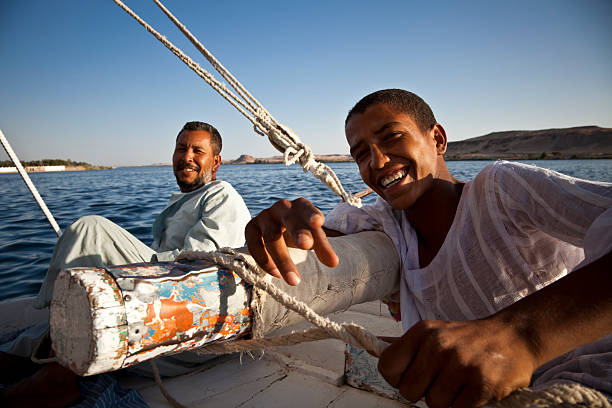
x=445 y=387
x=459 y=364
x=324 y=251
x=396 y=358
x=301 y=218
x=420 y=374
x=277 y=249
x=297 y=223
x=312 y=236
x=470 y=397
x=257 y=249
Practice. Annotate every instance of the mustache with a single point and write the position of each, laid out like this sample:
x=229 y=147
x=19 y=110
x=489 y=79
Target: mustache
x=185 y=165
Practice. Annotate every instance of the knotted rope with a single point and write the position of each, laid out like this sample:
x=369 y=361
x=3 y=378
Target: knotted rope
x=280 y=136
x=251 y=273
x=557 y=395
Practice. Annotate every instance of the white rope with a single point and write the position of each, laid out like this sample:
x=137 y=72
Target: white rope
x=280 y=136
x=28 y=181
x=557 y=396
x=250 y=272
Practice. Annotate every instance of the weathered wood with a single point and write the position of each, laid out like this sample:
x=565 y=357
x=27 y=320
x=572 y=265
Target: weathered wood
x=88 y=323
x=105 y=319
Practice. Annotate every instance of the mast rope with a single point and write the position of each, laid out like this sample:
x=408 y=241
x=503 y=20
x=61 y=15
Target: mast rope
x=30 y=184
x=280 y=136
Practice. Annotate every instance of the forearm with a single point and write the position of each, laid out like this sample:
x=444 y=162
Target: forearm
x=469 y=363
x=571 y=312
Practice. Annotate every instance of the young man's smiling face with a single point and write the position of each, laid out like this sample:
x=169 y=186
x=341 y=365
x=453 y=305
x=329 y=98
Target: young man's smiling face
x=194 y=160
x=396 y=158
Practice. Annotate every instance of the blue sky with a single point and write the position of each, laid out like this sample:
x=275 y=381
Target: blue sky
x=82 y=80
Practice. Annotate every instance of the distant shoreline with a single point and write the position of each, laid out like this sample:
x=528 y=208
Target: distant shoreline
x=576 y=143
x=541 y=156
x=467 y=157
x=274 y=160
x=52 y=169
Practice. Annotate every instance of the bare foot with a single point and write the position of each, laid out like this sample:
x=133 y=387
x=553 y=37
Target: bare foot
x=52 y=386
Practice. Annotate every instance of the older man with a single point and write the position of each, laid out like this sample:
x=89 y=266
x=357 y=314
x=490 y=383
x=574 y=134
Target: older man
x=205 y=215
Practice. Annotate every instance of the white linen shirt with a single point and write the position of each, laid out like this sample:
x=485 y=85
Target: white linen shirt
x=517 y=228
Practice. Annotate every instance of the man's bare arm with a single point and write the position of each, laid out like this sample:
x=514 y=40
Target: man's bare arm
x=466 y=364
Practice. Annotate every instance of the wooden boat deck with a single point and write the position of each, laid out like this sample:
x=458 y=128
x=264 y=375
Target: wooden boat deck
x=304 y=375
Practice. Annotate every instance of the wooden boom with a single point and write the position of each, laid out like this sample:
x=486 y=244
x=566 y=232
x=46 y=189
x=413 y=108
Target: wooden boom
x=104 y=319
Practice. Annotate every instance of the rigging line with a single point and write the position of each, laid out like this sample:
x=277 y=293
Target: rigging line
x=281 y=137
x=31 y=186
x=256 y=115
x=246 y=95
x=202 y=73
x=262 y=116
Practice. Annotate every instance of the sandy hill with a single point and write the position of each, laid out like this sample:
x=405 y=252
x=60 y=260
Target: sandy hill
x=586 y=142
x=568 y=143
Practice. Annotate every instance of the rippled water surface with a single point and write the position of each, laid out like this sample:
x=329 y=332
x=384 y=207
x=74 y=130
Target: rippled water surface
x=132 y=198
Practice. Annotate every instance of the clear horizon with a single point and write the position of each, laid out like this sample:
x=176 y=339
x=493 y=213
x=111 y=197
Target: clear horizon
x=83 y=81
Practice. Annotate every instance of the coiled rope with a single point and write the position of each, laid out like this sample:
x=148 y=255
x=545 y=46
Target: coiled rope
x=279 y=135
x=557 y=396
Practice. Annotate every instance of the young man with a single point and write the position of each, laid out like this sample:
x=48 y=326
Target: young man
x=478 y=302
x=207 y=214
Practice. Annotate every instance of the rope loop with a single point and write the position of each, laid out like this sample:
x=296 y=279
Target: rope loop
x=291 y=155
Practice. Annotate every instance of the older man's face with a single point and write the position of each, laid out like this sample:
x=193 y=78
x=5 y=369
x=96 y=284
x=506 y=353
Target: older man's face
x=194 y=160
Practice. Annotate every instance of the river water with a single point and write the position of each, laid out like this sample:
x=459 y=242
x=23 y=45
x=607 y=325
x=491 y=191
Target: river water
x=132 y=197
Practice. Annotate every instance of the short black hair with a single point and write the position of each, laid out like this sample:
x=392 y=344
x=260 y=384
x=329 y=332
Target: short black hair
x=402 y=100
x=215 y=137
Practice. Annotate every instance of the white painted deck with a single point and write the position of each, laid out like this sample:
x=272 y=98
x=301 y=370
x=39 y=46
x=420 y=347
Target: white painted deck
x=304 y=375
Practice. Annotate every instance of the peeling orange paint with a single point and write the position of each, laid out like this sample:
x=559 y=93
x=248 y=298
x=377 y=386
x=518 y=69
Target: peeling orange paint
x=198 y=301
x=173 y=317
